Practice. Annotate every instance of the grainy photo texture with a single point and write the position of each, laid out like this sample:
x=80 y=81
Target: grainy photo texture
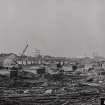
x=52 y=52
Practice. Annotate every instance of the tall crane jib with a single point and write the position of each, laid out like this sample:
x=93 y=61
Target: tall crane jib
x=24 y=50
x=22 y=55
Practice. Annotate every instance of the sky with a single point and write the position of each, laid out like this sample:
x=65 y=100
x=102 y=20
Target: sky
x=68 y=28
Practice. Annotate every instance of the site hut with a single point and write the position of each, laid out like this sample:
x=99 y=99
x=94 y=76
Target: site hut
x=98 y=63
x=100 y=74
x=67 y=69
x=86 y=68
x=26 y=60
x=22 y=60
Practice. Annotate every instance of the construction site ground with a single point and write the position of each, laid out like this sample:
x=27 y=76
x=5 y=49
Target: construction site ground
x=41 y=91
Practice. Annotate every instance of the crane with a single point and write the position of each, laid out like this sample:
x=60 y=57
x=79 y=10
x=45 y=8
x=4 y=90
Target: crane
x=24 y=50
x=14 y=64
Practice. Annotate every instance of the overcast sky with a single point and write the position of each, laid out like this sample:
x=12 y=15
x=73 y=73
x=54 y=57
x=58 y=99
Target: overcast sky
x=57 y=27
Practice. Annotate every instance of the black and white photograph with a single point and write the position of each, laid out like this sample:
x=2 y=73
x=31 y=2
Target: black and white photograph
x=52 y=52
